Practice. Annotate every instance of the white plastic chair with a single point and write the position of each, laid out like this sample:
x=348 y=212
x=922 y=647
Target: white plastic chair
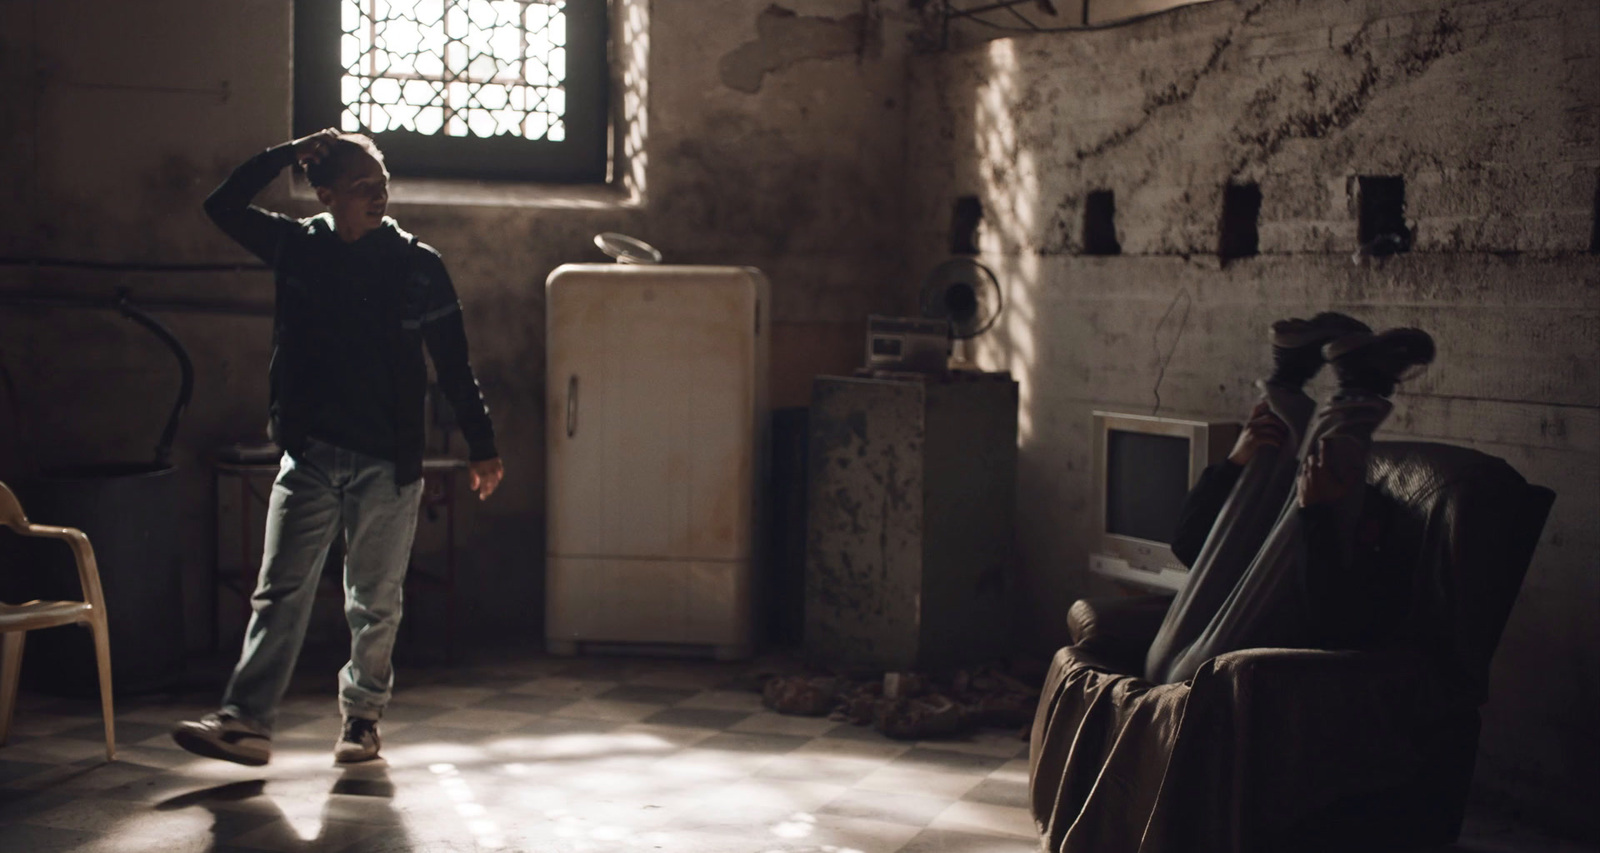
x=16 y=620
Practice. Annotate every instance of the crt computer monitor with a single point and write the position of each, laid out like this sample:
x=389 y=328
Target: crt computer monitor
x=1143 y=468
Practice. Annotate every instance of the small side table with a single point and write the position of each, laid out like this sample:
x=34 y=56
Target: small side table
x=254 y=481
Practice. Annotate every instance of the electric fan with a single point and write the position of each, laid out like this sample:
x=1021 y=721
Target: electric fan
x=965 y=294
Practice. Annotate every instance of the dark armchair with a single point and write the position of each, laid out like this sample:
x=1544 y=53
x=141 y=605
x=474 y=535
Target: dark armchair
x=1289 y=749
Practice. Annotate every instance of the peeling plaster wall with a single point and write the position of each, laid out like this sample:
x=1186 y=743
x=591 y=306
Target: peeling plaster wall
x=118 y=119
x=787 y=136
x=1491 y=112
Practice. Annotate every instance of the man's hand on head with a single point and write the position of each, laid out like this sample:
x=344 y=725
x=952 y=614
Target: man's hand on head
x=1264 y=429
x=311 y=149
x=486 y=476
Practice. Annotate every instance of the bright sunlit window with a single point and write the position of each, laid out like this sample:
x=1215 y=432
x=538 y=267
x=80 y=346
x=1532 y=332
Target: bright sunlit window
x=467 y=88
x=484 y=67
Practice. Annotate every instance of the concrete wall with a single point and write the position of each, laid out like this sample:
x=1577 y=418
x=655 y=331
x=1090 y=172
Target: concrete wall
x=791 y=137
x=764 y=136
x=1489 y=110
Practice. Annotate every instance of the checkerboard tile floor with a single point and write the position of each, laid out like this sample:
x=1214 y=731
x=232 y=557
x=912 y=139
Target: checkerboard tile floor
x=531 y=754
x=536 y=754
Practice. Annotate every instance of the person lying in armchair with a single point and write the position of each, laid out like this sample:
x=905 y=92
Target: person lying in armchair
x=1282 y=537
x=1315 y=684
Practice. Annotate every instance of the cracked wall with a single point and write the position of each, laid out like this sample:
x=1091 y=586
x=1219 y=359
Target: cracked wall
x=786 y=136
x=1491 y=113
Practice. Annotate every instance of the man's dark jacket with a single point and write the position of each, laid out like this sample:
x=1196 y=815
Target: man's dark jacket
x=349 y=326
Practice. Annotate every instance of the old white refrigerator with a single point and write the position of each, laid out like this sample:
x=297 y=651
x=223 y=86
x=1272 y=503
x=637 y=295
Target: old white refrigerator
x=656 y=428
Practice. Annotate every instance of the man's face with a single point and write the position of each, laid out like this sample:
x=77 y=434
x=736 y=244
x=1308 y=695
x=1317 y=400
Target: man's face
x=358 y=198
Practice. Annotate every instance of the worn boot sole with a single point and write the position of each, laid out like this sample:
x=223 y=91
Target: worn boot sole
x=208 y=747
x=1327 y=326
x=353 y=756
x=1397 y=348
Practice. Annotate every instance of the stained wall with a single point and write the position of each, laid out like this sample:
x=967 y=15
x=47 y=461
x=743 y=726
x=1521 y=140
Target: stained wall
x=756 y=135
x=805 y=138
x=1490 y=111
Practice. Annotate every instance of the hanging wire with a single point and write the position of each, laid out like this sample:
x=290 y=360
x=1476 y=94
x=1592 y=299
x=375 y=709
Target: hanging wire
x=1023 y=18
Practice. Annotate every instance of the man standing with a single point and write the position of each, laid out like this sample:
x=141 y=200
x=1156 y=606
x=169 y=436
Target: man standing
x=357 y=301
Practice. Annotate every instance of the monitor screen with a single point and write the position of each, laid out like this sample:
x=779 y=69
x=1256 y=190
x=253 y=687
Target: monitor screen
x=1147 y=477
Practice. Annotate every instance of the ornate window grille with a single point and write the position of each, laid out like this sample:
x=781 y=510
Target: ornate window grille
x=466 y=88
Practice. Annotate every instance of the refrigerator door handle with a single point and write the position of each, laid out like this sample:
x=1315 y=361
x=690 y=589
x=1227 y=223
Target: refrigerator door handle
x=572 y=405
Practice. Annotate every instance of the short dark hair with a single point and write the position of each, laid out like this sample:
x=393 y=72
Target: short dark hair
x=341 y=152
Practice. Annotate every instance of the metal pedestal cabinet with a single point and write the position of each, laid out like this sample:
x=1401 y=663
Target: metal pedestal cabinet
x=910 y=521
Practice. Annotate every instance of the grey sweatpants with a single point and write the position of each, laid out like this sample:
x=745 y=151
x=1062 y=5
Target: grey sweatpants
x=1242 y=591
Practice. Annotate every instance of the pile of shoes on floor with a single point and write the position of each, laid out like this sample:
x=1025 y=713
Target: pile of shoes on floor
x=907 y=705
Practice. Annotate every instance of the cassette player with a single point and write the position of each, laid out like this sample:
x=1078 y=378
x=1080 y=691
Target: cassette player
x=907 y=344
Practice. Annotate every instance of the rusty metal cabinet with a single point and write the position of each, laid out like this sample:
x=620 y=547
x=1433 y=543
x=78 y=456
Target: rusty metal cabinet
x=910 y=523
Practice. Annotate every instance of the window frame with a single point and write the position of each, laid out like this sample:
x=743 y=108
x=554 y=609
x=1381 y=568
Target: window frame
x=582 y=157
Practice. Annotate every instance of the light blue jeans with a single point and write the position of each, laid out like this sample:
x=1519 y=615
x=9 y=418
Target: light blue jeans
x=320 y=493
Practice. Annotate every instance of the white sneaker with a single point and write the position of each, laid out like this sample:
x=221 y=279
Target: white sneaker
x=222 y=735
x=358 y=742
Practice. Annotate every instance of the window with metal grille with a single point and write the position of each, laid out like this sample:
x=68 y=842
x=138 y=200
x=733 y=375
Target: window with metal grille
x=488 y=89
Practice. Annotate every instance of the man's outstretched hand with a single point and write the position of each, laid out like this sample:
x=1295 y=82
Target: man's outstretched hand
x=1264 y=429
x=486 y=476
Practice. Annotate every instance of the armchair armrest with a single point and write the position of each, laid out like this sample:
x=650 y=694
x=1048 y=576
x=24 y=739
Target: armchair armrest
x=1337 y=687
x=1118 y=629
x=1128 y=619
x=1342 y=677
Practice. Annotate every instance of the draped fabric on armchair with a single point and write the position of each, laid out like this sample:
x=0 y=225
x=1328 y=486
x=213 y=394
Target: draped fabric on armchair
x=1293 y=749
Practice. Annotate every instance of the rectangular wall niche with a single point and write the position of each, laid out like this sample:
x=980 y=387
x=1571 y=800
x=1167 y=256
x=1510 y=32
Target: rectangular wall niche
x=1241 y=217
x=964 y=220
x=1100 y=224
x=1594 y=220
x=1381 y=201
